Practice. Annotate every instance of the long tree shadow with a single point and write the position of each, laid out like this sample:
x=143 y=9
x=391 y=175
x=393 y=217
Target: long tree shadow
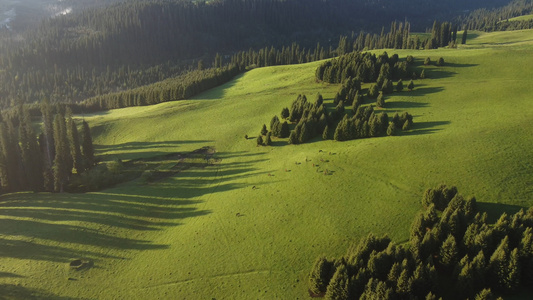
x=134 y=150
x=46 y=226
x=420 y=128
x=495 y=210
x=17 y=292
x=404 y=104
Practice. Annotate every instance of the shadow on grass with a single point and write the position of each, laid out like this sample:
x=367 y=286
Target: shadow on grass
x=427 y=127
x=60 y=227
x=495 y=210
x=133 y=150
x=10 y=275
x=423 y=91
x=404 y=105
x=16 y=292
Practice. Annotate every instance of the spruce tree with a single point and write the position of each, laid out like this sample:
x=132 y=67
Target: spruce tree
x=325 y=133
x=427 y=61
x=448 y=252
x=391 y=129
x=259 y=140
x=74 y=143
x=30 y=152
x=62 y=159
x=399 y=86
x=498 y=265
x=338 y=286
x=380 y=101
x=284 y=131
x=411 y=85
x=87 y=150
x=407 y=125
x=48 y=123
x=440 y=62
x=285 y=113
x=264 y=130
x=268 y=139
x=293 y=138
x=5 y=156
x=463 y=40
x=320 y=276
x=514 y=272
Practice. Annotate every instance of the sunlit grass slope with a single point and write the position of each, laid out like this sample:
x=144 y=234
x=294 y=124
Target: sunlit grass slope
x=207 y=233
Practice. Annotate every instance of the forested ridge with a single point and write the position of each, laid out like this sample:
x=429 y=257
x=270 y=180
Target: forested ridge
x=498 y=18
x=135 y=43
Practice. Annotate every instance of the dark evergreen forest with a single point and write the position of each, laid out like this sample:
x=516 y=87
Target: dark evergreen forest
x=498 y=19
x=98 y=51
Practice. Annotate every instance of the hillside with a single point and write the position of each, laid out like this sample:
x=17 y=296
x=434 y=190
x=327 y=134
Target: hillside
x=96 y=51
x=207 y=233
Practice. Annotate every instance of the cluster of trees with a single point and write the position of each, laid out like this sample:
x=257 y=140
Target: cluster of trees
x=364 y=66
x=178 y=88
x=45 y=162
x=366 y=123
x=453 y=252
x=497 y=19
x=442 y=34
x=311 y=119
x=289 y=55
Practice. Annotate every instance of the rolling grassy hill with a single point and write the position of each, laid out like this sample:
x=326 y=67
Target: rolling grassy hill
x=207 y=233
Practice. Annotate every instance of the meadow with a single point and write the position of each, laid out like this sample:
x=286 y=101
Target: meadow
x=207 y=233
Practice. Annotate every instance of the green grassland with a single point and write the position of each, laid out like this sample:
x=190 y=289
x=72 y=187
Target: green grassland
x=521 y=18
x=206 y=233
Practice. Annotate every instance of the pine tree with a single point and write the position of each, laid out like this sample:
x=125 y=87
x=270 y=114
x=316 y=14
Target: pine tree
x=62 y=159
x=427 y=61
x=320 y=276
x=399 y=86
x=498 y=265
x=411 y=85
x=485 y=294
x=448 y=252
x=391 y=129
x=380 y=101
x=48 y=123
x=285 y=130
x=338 y=286
x=403 y=285
x=259 y=140
x=285 y=113
x=74 y=143
x=463 y=40
x=440 y=62
x=30 y=152
x=87 y=150
x=325 y=133
x=407 y=125
x=293 y=138
x=268 y=139
x=514 y=271
x=4 y=158
x=264 y=130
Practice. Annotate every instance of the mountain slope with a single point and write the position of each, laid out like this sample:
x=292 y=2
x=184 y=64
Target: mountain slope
x=207 y=233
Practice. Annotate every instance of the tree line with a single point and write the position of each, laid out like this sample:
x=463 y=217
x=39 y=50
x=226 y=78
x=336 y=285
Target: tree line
x=497 y=19
x=47 y=161
x=135 y=43
x=453 y=252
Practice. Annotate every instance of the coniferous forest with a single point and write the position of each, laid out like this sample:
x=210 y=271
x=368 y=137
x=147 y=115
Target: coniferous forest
x=107 y=50
x=453 y=252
